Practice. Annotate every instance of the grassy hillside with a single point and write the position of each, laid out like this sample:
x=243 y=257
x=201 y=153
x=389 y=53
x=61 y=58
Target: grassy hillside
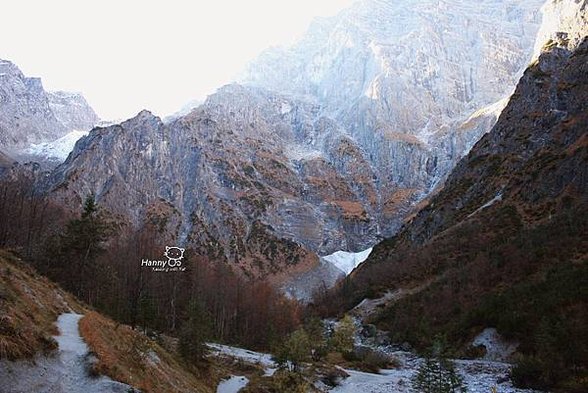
x=30 y=305
x=132 y=358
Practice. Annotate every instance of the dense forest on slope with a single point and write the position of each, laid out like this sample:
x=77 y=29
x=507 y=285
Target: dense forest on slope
x=97 y=257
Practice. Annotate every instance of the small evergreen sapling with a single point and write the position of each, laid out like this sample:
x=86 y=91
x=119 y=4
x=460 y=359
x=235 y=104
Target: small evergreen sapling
x=438 y=375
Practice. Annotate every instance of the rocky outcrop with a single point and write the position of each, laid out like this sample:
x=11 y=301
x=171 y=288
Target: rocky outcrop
x=30 y=115
x=564 y=25
x=72 y=110
x=25 y=115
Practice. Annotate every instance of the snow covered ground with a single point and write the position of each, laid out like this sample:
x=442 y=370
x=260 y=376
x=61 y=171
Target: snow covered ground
x=232 y=385
x=237 y=382
x=480 y=376
x=497 y=348
x=65 y=372
x=347 y=261
x=262 y=359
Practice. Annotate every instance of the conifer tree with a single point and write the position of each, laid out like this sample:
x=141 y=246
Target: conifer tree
x=81 y=243
x=437 y=374
x=194 y=333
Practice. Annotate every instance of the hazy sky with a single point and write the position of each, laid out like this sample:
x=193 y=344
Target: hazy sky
x=128 y=55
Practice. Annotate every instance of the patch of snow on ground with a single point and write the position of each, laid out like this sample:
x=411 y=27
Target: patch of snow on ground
x=479 y=376
x=347 y=261
x=302 y=153
x=58 y=149
x=262 y=359
x=386 y=381
x=232 y=385
x=496 y=347
x=491 y=202
x=64 y=373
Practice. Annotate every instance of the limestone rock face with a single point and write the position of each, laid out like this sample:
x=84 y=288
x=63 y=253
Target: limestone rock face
x=528 y=172
x=72 y=110
x=326 y=145
x=25 y=114
x=415 y=83
x=30 y=115
x=250 y=176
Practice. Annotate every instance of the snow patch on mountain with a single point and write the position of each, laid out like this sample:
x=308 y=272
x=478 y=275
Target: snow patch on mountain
x=58 y=149
x=347 y=261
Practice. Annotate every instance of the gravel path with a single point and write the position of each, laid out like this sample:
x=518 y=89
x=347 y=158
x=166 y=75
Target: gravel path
x=64 y=372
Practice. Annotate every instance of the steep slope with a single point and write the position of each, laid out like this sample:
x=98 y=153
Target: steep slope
x=416 y=83
x=325 y=167
x=5 y=161
x=31 y=115
x=503 y=244
x=72 y=110
x=29 y=308
x=25 y=114
x=251 y=177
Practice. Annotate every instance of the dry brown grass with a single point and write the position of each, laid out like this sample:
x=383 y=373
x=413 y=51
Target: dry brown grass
x=351 y=210
x=29 y=306
x=128 y=356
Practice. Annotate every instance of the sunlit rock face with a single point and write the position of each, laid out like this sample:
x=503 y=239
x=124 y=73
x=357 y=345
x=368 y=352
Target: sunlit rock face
x=37 y=125
x=415 y=83
x=72 y=110
x=25 y=115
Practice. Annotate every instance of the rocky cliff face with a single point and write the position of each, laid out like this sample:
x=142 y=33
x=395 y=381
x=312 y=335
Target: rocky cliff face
x=416 y=84
x=503 y=244
x=30 y=115
x=377 y=105
x=250 y=176
x=25 y=115
x=72 y=110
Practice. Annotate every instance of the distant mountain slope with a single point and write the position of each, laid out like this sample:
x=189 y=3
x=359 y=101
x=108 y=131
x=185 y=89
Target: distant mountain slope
x=415 y=83
x=503 y=244
x=320 y=172
x=72 y=110
x=29 y=114
x=250 y=177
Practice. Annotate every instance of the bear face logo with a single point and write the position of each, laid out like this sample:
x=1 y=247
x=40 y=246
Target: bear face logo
x=174 y=255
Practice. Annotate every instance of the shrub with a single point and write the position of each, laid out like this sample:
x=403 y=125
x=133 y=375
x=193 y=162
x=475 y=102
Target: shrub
x=294 y=351
x=343 y=339
x=527 y=372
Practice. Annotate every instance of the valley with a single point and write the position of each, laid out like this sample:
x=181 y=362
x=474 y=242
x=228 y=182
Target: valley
x=394 y=202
